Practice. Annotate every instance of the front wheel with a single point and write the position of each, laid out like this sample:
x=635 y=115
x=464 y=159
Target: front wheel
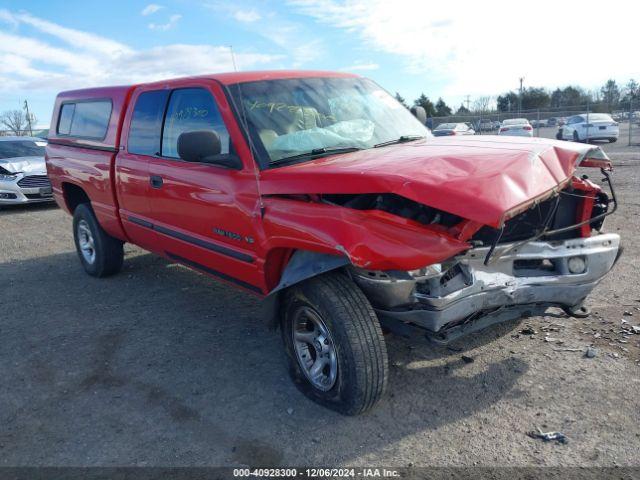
x=101 y=255
x=334 y=344
x=576 y=137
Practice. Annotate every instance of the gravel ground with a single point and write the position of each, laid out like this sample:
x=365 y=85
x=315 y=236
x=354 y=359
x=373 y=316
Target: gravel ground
x=162 y=366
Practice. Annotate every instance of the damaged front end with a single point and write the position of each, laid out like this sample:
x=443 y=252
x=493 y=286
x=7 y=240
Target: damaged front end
x=451 y=238
x=551 y=254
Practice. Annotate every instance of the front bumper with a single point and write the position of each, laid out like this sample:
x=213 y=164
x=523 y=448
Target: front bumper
x=13 y=194
x=536 y=274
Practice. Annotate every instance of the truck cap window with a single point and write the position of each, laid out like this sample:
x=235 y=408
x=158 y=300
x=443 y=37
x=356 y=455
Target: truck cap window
x=66 y=114
x=146 y=123
x=85 y=119
x=191 y=109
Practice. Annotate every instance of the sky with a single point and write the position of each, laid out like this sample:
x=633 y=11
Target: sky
x=444 y=49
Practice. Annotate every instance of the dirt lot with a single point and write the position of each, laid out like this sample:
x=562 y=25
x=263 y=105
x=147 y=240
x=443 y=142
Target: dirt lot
x=162 y=366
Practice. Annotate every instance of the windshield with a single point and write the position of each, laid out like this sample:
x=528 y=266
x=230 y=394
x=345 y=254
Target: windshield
x=21 y=148
x=446 y=126
x=297 y=116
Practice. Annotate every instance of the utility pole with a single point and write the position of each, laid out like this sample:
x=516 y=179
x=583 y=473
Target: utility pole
x=26 y=107
x=520 y=99
x=467 y=102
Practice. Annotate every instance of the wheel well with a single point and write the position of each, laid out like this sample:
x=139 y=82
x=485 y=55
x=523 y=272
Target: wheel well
x=74 y=196
x=295 y=266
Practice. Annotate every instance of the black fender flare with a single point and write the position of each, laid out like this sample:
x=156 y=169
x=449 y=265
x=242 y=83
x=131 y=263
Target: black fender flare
x=304 y=264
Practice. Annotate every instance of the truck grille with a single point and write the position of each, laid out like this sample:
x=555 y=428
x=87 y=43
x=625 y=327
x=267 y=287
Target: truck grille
x=34 y=181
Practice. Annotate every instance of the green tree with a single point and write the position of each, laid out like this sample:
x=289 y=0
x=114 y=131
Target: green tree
x=610 y=94
x=462 y=110
x=574 y=96
x=631 y=91
x=401 y=99
x=424 y=102
x=507 y=102
x=556 y=98
x=535 y=98
x=442 y=109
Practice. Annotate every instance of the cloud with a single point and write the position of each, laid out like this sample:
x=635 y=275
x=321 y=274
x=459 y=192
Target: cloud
x=247 y=16
x=291 y=37
x=151 y=9
x=163 y=27
x=35 y=65
x=484 y=47
x=76 y=38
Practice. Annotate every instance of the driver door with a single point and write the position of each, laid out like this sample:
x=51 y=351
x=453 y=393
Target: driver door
x=204 y=215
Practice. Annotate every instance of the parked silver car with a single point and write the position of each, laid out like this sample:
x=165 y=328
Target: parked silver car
x=23 y=174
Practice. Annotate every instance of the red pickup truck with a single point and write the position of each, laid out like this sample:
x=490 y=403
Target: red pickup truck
x=322 y=194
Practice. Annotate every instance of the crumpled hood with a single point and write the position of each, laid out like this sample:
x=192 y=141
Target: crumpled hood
x=486 y=179
x=24 y=164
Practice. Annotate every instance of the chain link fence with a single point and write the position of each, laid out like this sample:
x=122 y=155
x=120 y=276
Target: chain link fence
x=42 y=133
x=546 y=122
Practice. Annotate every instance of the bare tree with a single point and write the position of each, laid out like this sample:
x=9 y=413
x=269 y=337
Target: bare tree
x=14 y=120
x=481 y=104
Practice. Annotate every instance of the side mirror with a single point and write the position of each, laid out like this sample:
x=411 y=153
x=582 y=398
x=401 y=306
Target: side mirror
x=204 y=146
x=420 y=113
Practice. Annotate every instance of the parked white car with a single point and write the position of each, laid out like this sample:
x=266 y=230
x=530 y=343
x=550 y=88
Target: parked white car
x=519 y=127
x=446 y=129
x=23 y=173
x=590 y=126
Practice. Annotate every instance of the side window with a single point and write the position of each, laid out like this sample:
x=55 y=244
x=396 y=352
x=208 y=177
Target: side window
x=191 y=109
x=85 y=119
x=146 y=123
x=66 y=114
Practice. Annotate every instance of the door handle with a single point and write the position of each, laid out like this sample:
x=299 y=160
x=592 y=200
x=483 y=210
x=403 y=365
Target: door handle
x=155 y=181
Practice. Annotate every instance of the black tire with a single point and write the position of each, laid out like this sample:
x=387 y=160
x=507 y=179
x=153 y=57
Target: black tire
x=613 y=140
x=355 y=336
x=559 y=134
x=576 y=137
x=108 y=252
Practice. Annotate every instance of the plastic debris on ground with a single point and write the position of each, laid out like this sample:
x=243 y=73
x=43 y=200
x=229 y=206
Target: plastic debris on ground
x=549 y=436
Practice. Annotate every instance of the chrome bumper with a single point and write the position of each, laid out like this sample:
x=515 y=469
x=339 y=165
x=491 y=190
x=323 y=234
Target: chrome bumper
x=535 y=274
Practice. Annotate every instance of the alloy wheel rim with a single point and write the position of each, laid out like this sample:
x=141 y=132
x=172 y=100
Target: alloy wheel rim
x=315 y=349
x=86 y=243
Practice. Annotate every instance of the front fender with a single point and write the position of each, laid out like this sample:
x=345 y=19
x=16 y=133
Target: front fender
x=370 y=239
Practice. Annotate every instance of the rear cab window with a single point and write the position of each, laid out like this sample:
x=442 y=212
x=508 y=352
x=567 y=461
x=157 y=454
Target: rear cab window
x=146 y=123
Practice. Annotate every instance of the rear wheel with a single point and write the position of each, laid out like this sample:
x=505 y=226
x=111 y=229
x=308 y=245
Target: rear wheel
x=101 y=255
x=334 y=344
